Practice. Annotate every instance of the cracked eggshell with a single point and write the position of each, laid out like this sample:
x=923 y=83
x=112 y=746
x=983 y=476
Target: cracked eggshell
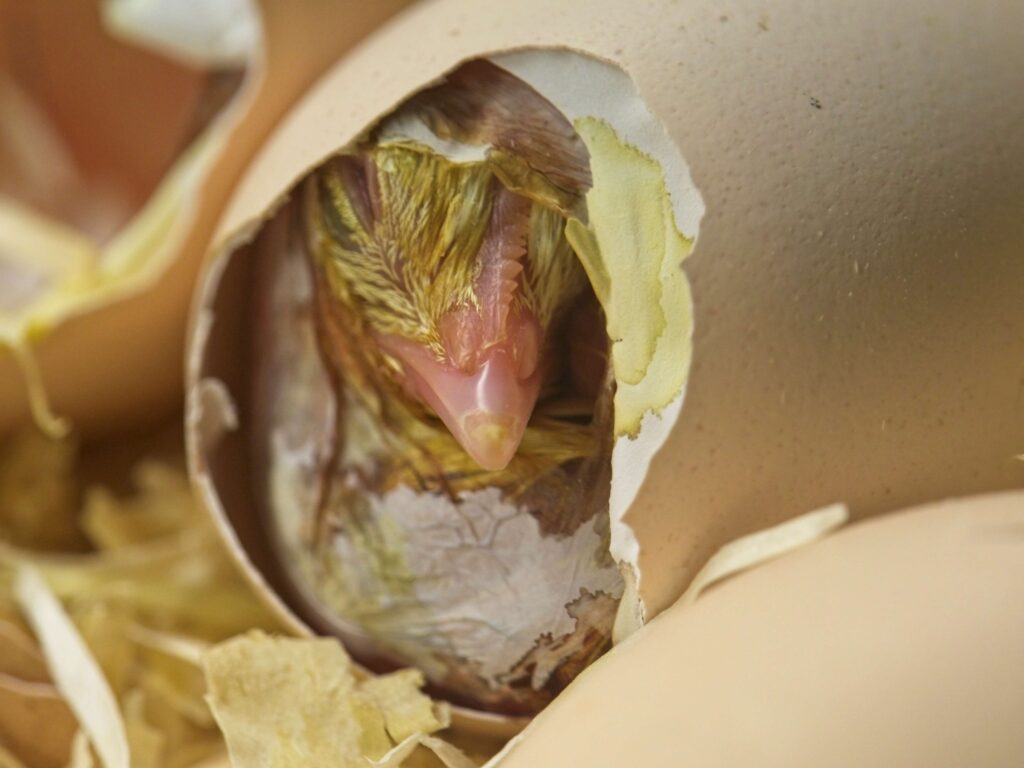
x=896 y=641
x=856 y=279
x=116 y=366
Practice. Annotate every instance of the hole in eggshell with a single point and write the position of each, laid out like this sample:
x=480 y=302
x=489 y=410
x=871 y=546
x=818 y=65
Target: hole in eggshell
x=501 y=587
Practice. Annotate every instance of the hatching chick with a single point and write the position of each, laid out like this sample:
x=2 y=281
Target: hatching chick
x=459 y=271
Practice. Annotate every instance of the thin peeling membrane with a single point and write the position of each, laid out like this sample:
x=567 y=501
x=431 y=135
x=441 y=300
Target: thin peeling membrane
x=285 y=703
x=633 y=253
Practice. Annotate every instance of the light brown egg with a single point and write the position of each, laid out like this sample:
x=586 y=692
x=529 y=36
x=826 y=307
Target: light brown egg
x=113 y=364
x=852 y=178
x=893 y=642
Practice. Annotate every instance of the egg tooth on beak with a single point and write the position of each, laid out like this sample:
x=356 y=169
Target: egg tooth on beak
x=485 y=387
x=456 y=266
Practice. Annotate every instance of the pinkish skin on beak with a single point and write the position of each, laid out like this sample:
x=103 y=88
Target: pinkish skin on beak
x=486 y=409
x=486 y=384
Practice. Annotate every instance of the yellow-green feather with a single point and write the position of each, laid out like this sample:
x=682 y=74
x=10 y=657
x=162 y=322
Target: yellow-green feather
x=416 y=261
x=419 y=258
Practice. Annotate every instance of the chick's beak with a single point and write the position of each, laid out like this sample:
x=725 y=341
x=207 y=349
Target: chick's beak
x=486 y=409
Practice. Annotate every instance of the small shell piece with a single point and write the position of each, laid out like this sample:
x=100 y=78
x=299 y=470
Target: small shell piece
x=109 y=356
x=894 y=642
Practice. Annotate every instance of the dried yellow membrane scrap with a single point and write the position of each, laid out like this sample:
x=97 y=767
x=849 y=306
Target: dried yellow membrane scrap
x=406 y=711
x=632 y=252
x=408 y=754
x=284 y=702
x=145 y=606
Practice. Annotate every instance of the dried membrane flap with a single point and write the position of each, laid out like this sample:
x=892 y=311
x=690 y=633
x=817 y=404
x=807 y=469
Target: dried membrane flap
x=646 y=293
x=633 y=253
x=404 y=715
x=449 y=755
x=286 y=702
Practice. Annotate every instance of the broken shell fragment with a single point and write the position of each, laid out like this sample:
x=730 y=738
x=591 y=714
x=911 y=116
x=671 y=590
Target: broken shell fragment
x=777 y=368
x=118 y=149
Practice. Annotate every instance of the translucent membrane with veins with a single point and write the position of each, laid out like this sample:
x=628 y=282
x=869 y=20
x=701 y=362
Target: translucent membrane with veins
x=486 y=385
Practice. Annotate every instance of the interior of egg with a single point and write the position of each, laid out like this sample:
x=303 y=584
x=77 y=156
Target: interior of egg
x=644 y=213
